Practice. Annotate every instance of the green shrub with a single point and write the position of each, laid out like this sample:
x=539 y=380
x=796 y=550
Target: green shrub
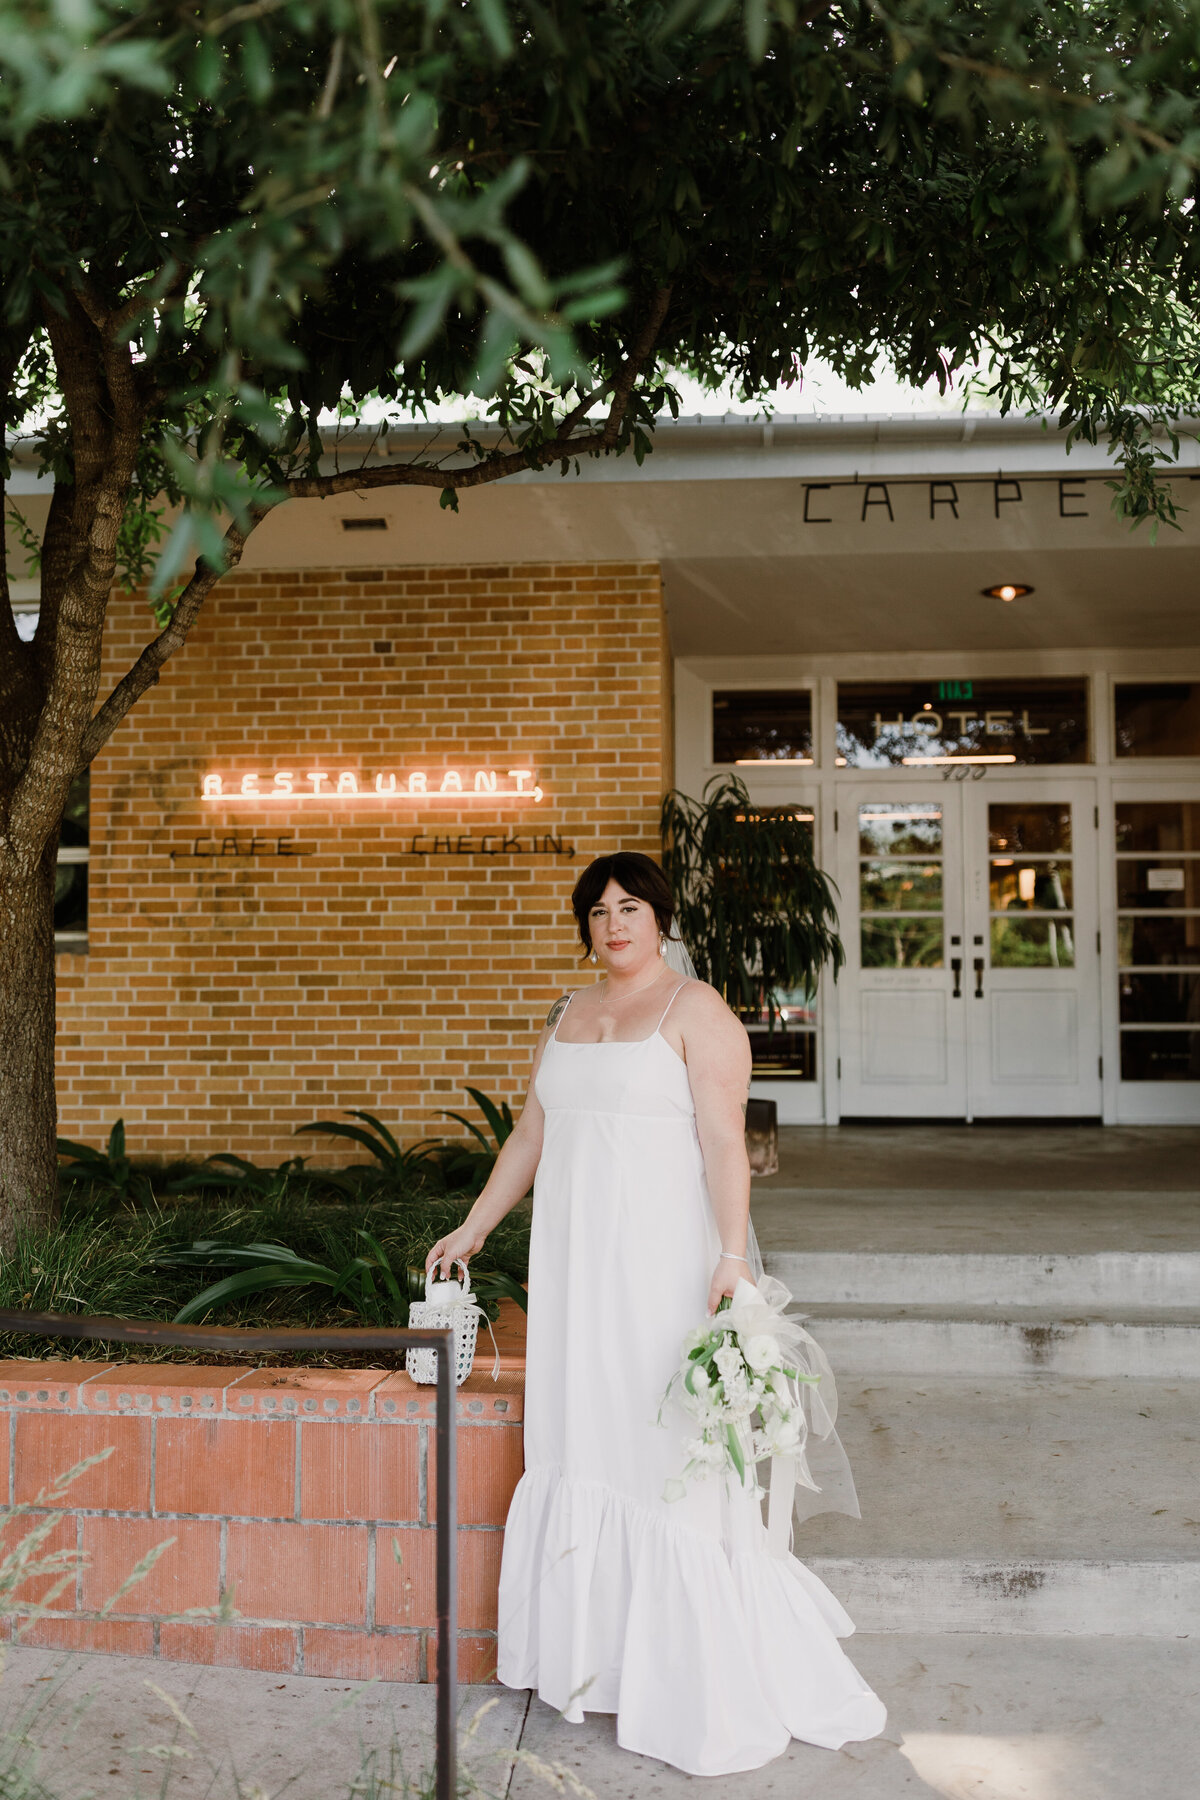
x=105 y=1177
x=119 y=1264
x=435 y=1165
x=295 y=1246
x=367 y=1282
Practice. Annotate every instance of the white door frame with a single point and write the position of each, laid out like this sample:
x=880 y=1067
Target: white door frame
x=1033 y=1034
x=902 y=1030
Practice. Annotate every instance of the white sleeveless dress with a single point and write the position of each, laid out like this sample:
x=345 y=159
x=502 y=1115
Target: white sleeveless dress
x=673 y=1615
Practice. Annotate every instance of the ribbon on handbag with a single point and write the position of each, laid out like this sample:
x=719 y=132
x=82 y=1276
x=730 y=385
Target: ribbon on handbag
x=462 y=1301
x=759 y=1311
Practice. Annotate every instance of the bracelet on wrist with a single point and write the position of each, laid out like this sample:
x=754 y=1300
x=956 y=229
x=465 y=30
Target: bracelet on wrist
x=732 y=1256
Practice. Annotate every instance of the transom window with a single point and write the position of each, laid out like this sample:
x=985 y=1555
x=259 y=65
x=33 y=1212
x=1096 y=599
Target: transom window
x=762 y=725
x=1157 y=718
x=933 y=724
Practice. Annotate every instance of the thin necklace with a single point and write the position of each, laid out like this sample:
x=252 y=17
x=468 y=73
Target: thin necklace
x=644 y=989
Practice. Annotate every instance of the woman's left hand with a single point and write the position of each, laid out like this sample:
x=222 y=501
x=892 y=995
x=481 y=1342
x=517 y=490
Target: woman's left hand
x=728 y=1272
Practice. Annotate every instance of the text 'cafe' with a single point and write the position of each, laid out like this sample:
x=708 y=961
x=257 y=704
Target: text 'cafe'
x=327 y=862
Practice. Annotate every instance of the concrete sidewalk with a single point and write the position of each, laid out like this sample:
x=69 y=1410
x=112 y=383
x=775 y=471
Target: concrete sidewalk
x=971 y=1718
x=983 y=1189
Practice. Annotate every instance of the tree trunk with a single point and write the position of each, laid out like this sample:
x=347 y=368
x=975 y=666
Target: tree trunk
x=28 y=1109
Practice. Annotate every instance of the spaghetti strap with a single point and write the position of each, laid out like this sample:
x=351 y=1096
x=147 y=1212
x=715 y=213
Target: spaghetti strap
x=566 y=1001
x=667 y=1008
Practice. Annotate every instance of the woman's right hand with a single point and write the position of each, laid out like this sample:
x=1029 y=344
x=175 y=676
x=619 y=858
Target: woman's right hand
x=456 y=1246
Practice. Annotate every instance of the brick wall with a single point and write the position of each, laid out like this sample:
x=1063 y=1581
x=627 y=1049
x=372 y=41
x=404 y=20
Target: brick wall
x=228 y=998
x=305 y=1496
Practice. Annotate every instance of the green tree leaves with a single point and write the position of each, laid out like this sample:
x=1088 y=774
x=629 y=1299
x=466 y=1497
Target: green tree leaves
x=288 y=207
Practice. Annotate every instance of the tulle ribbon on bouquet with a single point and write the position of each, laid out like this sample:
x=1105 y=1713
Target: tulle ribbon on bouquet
x=759 y=1312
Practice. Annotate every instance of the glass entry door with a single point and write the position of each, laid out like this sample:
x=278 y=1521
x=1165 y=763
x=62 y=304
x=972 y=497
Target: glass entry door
x=901 y=1009
x=972 y=980
x=1033 y=1021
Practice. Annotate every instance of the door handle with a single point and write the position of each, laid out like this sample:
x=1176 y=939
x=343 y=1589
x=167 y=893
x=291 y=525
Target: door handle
x=979 y=978
x=956 y=965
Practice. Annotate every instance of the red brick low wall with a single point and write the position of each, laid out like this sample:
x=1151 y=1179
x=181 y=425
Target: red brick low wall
x=307 y=1495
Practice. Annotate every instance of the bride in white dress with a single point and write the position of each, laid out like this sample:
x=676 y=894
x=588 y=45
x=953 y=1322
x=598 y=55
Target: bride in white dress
x=674 y=1615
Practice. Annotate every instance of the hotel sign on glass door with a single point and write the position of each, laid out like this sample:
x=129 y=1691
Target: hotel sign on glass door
x=936 y=724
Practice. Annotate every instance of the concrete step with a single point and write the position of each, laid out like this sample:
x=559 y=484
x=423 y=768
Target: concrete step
x=977 y=1215
x=1017 y=1340
x=1057 y=1598
x=969 y=1718
x=1030 y=1503
x=1119 y=1279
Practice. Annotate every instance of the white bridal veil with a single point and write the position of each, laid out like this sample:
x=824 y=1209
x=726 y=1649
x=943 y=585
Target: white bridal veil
x=675 y=955
x=826 y=1460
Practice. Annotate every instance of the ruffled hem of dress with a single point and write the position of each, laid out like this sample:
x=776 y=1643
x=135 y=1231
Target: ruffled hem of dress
x=711 y=1662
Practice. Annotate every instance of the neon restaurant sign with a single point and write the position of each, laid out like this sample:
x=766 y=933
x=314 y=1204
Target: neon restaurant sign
x=391 y=786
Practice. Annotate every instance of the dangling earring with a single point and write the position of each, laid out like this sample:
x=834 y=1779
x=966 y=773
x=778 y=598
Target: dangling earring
x=592 y=957
x=662 y=944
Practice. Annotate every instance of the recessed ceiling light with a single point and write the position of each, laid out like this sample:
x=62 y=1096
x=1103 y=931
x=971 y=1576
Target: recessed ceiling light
x=1006 y=590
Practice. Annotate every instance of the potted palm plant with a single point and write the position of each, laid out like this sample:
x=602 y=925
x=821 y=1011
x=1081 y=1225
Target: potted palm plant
x=757 y=914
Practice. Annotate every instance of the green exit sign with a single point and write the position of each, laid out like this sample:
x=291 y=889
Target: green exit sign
x=956 y=690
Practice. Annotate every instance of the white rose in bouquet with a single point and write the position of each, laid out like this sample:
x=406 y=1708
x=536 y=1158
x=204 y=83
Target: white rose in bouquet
x=761 y=1352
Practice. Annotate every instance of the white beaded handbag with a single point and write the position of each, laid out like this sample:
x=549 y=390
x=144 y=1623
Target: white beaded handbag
x=447 y=1306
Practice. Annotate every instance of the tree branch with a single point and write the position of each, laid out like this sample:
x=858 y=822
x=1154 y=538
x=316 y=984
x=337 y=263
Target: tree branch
x=100 y=385
x=1032 y=84
x=499 y=465
x=145 y=671
x=58 y=555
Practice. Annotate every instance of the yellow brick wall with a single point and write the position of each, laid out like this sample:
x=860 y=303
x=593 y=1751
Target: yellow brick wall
x=225 y=1000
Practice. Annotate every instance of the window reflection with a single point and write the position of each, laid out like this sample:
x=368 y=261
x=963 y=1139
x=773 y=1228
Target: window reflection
x=788 y=1050
x=1158 y=826
x=1030 y=887
x=784 y=1048
x=751 y=725
x=1172 y=999
x=1157 y=718
x=901 y=886
x=899 y=829
x=1160 y=1056
x=1028 y=875
x=905 y=880
x=902 y=944
x=1033 y=944
x=1030 y=828
x=1038 y=720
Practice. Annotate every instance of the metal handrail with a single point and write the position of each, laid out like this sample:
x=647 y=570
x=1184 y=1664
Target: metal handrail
x=233 y=1337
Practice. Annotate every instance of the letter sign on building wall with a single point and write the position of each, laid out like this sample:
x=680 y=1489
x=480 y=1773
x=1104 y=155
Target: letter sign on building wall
x=450 y=785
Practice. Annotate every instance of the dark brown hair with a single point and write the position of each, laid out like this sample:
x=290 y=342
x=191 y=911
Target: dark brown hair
x=639 y=875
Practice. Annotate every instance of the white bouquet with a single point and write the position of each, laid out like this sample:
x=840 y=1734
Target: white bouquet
x=745 y=1376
